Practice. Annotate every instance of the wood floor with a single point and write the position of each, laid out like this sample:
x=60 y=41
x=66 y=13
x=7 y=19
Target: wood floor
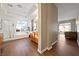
x=21 y=47
x=24 y=47
x=64 y=47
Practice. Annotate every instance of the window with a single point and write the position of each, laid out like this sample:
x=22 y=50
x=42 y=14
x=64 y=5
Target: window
x=65 y=27
x=21 y=25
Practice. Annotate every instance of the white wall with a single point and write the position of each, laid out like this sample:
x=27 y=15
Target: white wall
x=52 y=24
x=67 y=11
x=48 y=19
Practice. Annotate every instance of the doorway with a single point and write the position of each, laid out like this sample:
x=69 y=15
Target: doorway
x=64 y=27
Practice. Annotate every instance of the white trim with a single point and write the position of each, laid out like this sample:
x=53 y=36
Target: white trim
x=54 y=42
x=42 y=50
x=14 y=38
x=49 y=48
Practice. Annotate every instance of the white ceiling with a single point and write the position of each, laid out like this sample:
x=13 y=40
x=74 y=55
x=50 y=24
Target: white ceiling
x=67 y=11
x=18 y=9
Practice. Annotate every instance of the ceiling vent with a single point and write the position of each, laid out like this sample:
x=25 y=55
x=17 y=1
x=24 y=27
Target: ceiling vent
x=20 y=6
x=10 y=5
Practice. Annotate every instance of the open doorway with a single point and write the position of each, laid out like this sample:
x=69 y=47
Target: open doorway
x=64 y=27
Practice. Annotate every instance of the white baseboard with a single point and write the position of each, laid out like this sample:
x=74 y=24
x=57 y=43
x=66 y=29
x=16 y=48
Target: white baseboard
x=49 y=48
x=42 y=50
x=5 y=40
x=9 y=39
x=54 y=43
